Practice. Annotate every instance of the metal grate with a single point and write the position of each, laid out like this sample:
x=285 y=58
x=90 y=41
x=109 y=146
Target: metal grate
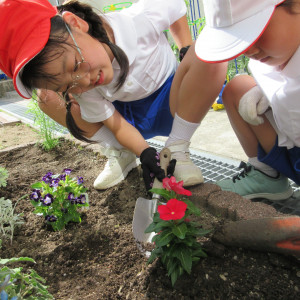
x=216 y=168
x=213 y=168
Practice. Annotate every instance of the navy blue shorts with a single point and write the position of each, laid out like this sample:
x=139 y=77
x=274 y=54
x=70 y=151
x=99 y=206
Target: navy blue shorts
x=151 y=116
x=285 y=161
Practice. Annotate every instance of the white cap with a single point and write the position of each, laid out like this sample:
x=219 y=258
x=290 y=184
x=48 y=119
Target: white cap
x=232 y=26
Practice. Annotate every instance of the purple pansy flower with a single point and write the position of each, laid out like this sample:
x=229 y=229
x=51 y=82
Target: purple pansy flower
x=72 y=198
x=81 y=199
x=51 y=218
x=47 y=200
x=54 y=182
x=67 y=171
x=35 y=195
x=62 y=177
x=48 y=177
x=79 y=180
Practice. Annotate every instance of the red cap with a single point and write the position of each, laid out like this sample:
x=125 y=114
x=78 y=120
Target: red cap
x=24 y=31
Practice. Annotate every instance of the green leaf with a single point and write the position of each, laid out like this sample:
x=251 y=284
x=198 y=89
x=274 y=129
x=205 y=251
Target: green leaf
x=192 y=208
x=68 y=189
x=195 y=259
x=171 y=265
x=150 y=228
x=199 y=253
x=180 y=230
x=164 y=238
x=15 y=259
x=202 y=232
x=154 y=254
x=156 y=218
x=157 y=191
x=163 y=225
x=185 y=257
x=174 y=275
x=37 y=185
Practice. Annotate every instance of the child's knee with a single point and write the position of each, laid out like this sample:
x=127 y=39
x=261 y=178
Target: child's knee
x=236 y=88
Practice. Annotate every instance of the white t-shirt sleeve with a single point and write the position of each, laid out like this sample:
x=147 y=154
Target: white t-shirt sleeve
x=283 y=94
x=286 y=111
x=94 y=108
x=161 y=13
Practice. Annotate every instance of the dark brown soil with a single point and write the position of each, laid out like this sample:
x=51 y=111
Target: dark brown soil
x=98 y=258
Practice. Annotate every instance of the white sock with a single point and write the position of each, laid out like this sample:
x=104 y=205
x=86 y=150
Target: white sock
x=181 y=130
x=106 y=138
x=262 y=167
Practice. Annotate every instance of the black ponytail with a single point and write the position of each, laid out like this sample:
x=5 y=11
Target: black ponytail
x=71 y=125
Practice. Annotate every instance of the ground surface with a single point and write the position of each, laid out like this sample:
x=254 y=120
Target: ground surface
x=18 y=134
x=98 y=258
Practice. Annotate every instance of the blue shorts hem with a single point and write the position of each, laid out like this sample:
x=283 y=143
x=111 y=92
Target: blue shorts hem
x=285 y=161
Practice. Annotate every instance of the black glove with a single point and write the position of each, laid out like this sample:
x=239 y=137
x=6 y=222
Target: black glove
x=151 y=167
x=182 y=52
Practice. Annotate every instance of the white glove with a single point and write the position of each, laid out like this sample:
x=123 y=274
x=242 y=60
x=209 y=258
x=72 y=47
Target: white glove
x=253 y=104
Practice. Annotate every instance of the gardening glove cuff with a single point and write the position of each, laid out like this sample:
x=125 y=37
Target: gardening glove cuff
x=151 y=167
x=252 y=105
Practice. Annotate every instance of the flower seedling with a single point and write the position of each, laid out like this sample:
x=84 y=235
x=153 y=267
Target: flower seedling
x=48 y=129
x=19 y=284
x=9 y=220
x=3 y=176
x=176 y=235
x=58 y=197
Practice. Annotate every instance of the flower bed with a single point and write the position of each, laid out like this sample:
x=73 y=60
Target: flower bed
x=98 y=258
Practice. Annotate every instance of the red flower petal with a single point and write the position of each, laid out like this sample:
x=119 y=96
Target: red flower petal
x=173 y=210
x=171 y=185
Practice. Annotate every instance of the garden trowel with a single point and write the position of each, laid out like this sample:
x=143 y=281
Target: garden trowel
x=145 y=208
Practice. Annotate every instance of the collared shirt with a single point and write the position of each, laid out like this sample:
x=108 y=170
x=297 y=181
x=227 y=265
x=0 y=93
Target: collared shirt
x=282 y=88
x=139 y=32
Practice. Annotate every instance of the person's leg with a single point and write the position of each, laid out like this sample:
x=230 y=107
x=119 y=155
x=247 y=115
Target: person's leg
x=249 y=135
x=257 y=179
x=120 y=161
x=195 y=87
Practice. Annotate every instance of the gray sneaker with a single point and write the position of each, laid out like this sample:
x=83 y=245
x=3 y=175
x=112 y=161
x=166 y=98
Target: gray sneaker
x=251 y=183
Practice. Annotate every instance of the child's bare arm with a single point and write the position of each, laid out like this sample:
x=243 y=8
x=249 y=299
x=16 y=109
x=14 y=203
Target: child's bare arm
x=127 y=135
x=181 y=33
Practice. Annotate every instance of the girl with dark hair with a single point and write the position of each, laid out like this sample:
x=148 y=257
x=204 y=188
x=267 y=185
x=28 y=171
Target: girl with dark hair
x=113 y=79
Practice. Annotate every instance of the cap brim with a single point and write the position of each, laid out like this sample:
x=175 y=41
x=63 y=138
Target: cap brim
x=226 y=43
x=33 y=47
x=20 y=88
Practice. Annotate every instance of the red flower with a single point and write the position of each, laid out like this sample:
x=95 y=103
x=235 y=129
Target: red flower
x=171 y=185
x=173 y=210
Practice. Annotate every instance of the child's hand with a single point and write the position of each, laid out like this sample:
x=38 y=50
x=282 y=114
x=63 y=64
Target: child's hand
x=151 y=167
x=253 y=104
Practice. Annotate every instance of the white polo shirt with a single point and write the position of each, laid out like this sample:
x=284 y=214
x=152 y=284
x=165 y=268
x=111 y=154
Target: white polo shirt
x=138 y=30
x=282 y=88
